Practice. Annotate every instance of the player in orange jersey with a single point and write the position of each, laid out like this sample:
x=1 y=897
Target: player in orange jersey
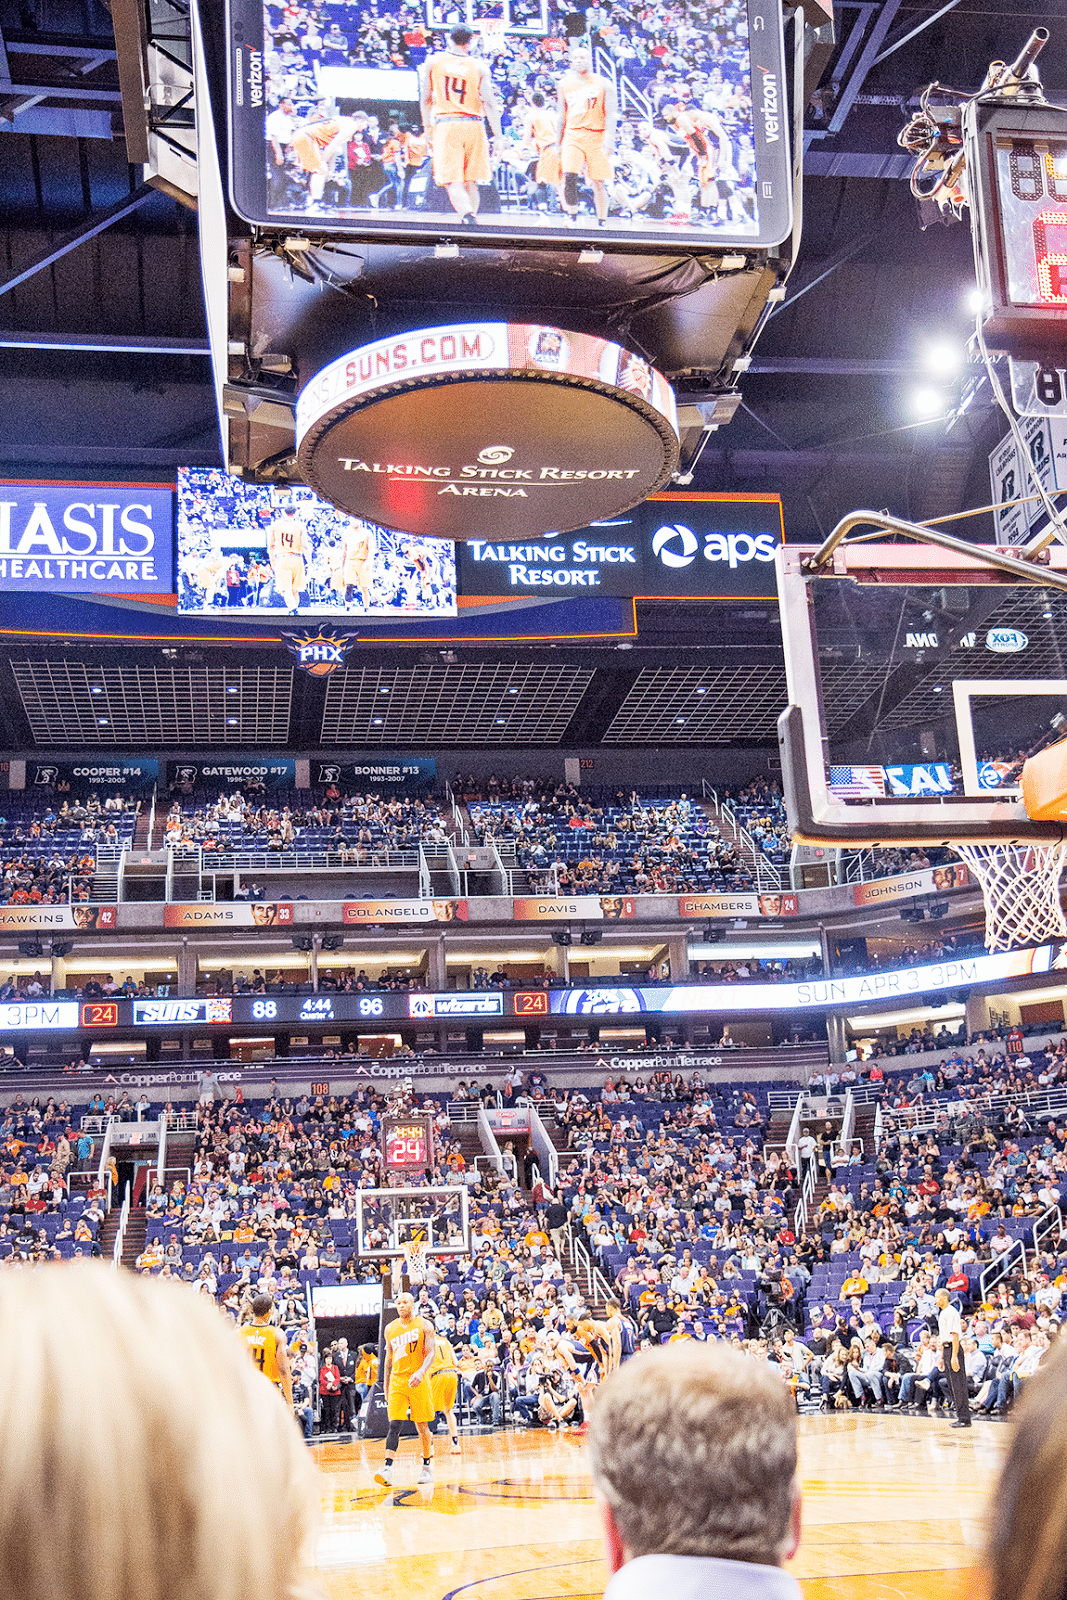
x=285 y=552
x=267 y=1346
x=444 y=1380
x=705 y=135
x=586 y=118
x=539 y=129
x=409 y=1347
x=457 y=94
x=353 y=561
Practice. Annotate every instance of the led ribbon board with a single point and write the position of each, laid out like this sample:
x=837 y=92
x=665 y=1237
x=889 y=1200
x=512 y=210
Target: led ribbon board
x=446 y=431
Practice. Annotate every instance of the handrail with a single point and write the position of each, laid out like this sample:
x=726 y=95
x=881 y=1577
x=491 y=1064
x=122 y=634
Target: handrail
x=807 y=1190
x=547 y=1155
x=793 y=1135
x=425 y=891
x=120 y=1237
x=151 y=818
x=161 y=1163
x=105 y=1152
x=1046 y=1222
x=488 y=1138
x=848 y=1123
x=998 y=1269
x=877 y=1126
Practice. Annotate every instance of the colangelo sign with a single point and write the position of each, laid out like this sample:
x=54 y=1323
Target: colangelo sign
x=687 y=546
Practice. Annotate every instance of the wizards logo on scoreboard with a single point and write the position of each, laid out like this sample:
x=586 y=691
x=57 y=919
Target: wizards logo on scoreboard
x=320 y=653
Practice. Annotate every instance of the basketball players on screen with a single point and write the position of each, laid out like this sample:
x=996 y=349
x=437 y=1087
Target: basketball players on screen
x=457 y=95
x=706 y=137
x=586 y=118
x=409 y=1348
x=285 y=552
x=352 y=562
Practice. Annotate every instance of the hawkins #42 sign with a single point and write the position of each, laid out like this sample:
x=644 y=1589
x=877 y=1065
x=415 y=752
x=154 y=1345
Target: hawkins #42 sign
x=87 y=538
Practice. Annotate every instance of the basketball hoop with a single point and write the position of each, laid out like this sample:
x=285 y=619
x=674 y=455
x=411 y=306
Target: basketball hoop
x=410 y=1265
x=1021 y=889
x=491 y=30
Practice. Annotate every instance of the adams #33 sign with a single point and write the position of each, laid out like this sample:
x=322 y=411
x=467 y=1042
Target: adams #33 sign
x=87 y=538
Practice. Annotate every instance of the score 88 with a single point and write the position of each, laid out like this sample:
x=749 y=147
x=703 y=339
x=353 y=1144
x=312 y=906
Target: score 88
x=264 y=1010
x=1036 y=175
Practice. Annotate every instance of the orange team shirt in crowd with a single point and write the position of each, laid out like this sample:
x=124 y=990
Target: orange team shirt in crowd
x=534 y=1238
x=366 y=1369
x=416 y=148
x=407 y=1346
x=455 y=86
x=587 y=106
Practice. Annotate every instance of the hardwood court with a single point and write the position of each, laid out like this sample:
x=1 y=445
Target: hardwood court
x=892 y=1506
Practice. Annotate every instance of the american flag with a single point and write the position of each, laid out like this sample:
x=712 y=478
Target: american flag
x=858 y=783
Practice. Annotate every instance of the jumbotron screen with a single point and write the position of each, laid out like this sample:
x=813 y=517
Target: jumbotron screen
x=265 y=550
x=651 y=124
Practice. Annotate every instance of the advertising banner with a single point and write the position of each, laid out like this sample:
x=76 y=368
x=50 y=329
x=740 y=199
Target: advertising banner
x=58 y=919
x=403 y=911
x=426 y=1007
x=87 y=538
x=377 y=772
x=932 y=880
x=588 y=907
x=232 y=774
x=685 y=545
x=229 y=914
x=776 y=904
x=107 y=772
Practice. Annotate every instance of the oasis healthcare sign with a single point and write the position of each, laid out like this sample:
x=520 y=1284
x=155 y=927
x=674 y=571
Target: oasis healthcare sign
x=87 y=538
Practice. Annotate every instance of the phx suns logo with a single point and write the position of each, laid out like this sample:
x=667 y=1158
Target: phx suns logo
x=320 y=653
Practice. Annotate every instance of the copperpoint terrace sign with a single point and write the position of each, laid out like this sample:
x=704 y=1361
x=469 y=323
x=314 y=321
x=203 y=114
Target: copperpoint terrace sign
x=443 y=431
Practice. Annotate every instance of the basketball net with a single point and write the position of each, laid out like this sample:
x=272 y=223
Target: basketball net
x=1021 y=889
x=411 y=1265
x=492 y=34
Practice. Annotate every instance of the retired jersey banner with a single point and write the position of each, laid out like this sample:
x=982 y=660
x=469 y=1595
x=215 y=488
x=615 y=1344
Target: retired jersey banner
x=104 y=772
x=229 y=914
x=79 y=919
x=738 y=905
x=377 y=772
x=232 y=774
x=931 y=880
x=403 y=911
x=87 y=538
x=589 y=907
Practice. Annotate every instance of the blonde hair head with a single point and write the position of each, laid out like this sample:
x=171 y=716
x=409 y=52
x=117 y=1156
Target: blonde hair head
x=141 y=1453
x=1027 y=1554
x=693 y=1448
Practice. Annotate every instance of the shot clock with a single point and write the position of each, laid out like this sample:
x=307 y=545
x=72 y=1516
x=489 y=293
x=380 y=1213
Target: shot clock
x=407 y=1144
x=1017 y=173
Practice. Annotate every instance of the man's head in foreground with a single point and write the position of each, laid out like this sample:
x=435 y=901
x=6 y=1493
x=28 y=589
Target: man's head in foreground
x=693 y=1449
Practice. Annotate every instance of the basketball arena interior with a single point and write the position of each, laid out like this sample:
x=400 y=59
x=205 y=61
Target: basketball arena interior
x=522 y=779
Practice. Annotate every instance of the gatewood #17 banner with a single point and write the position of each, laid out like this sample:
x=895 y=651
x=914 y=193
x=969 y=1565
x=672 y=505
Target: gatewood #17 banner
x=87 y=538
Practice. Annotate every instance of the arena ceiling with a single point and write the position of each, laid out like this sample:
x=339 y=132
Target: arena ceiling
x=105 y=373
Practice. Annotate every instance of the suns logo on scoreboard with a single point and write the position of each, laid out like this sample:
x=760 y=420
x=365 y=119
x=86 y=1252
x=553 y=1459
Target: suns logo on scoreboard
x=320 y=653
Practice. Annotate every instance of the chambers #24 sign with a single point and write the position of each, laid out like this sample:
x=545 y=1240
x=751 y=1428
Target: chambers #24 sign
x=87 y=538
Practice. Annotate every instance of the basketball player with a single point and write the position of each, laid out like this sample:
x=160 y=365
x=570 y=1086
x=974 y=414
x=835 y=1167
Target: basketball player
x=586 y=131
x=210 y=576
x=456 y=95
x=443 y=1380
x=285 y=552
x=267 y=1345
x=409 y=1346
x=316 y=145
x=539 y=129
x=698 y=129
x=353 y=562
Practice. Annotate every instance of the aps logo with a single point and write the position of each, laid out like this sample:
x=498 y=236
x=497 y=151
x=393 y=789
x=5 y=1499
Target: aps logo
x=676 y=546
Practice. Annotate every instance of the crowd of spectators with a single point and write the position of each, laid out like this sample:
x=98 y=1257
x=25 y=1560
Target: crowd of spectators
x=630 y=845
x=359 y=829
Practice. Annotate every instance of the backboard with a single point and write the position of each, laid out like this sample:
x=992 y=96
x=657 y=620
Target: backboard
x=920 y=680
x=387 y=1220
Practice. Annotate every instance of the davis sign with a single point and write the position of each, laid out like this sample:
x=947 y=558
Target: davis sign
x=446 y=431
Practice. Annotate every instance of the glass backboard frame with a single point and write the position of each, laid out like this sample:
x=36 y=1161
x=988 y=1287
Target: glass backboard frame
x=816 y=814
x=404 y=1212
